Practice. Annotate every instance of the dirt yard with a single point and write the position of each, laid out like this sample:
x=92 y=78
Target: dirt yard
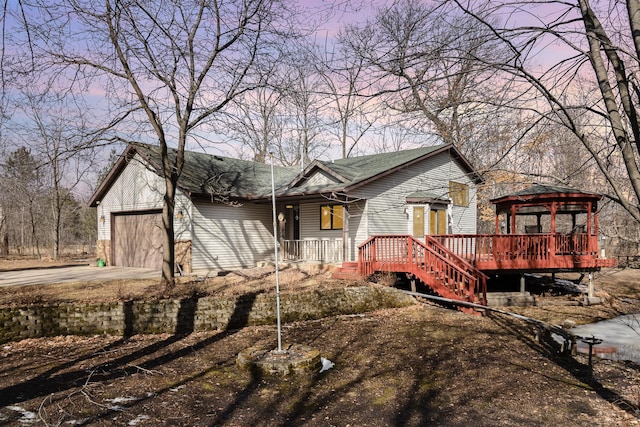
x=421 y=365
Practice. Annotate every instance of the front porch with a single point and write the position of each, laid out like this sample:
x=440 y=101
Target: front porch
x=314 y=250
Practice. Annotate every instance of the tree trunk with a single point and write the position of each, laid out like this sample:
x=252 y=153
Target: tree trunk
x=4 y=236
x=168 y=243
x=34 y=235
x=613 y=96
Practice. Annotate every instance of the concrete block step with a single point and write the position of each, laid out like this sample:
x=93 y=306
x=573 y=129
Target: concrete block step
x=346 y=275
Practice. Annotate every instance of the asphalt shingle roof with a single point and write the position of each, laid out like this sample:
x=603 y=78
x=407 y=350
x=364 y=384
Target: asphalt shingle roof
x=210 y=174
x=538 y=189
x=206 y=174
x=355 y=170
x=362 y=168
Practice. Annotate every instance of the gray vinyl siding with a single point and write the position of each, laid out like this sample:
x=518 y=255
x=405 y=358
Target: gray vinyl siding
x=227 y=237
x=138 y=189
x=357 y=228
x=310 y=222
x=310 y=225
x=320 y=178
x=386 y=197
x=465 y=219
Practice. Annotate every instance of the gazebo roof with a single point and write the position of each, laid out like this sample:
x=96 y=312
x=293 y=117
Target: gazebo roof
x=539 y=196
x=546 y=192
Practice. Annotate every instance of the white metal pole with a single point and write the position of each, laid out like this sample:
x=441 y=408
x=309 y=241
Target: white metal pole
x=275 y=249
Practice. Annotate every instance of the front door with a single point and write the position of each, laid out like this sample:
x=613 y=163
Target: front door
x=418 y=221
x=438 y=221
x=292 y=228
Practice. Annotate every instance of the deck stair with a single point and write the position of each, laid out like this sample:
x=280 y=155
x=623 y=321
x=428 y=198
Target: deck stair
x=446 y=273
x=348 y=271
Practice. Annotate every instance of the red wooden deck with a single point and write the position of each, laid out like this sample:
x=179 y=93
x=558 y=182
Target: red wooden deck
x=455 y=266
x=527 y=252
x=443 y=271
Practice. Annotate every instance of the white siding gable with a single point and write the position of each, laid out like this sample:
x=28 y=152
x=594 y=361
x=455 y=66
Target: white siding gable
x=387 y=210
x=318 y=178
x=139 y=189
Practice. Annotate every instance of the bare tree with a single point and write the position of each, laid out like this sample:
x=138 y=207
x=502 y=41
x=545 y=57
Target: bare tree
x=21 y=198
x=256 y=119
x=54 y=129
x=589 y=86
x=304 y=99
x=424 y=57
x=165 y=67
x=355 y=113
x=398 y=135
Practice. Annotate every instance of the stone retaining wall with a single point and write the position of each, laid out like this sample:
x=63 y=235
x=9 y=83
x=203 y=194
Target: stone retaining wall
x=193 y=314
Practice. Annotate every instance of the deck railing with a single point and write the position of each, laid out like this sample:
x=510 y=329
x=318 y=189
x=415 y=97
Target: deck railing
x=325 y=250
x=503 y=251
x=444 y=271
x=483 y=251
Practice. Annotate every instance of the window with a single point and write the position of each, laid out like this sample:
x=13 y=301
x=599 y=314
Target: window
x=438 y=221
x=418 y=221
x=331 y=217
x=459 y=193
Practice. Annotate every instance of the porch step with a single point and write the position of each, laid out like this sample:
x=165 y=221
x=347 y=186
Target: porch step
x=346 y=275
x=348 y=271
x=349 y=265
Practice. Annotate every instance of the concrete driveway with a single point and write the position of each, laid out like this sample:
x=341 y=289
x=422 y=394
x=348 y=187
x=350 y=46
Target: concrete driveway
x=74 y=274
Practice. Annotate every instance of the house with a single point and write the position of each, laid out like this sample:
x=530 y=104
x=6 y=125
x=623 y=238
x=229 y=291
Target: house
x=223 y=214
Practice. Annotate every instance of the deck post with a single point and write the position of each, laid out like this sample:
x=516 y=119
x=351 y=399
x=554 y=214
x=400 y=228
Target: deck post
x=522 y=283
x=346 y=256
x=590 y=287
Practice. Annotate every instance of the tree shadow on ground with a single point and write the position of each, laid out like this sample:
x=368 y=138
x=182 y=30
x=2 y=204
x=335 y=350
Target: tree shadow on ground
x=302 y=397
x=50 y=382
x=580 y=371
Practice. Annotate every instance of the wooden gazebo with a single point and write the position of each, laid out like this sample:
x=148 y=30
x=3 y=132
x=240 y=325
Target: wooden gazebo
x=550 y=228
x=547 y=201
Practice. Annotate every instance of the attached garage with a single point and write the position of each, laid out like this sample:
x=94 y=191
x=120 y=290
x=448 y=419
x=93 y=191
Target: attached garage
x=137 y=239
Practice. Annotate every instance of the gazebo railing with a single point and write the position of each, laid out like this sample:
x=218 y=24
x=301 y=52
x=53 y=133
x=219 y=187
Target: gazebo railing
x=519 y=248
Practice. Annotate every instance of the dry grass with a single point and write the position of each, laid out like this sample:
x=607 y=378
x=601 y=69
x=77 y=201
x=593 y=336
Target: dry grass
x=420 y=365
x=618 y=289
x=255 y=280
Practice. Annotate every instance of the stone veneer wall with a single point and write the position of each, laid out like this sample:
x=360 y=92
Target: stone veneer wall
x=183 y=255
x=193 y=314
x=103 y=250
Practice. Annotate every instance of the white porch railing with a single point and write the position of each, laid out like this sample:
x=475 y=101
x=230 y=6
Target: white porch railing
x=325 y=250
